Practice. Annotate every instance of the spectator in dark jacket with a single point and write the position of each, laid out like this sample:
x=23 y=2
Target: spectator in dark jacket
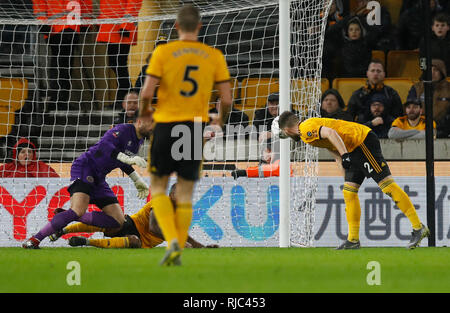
x=377 y=118
x=332 y=106
x=357 y=104
x=410 y=28
x=379 y=36
x=440 y=39
x=263 y=118
x=333 y=39
x=355 y=53
x=441 y=97
x=237 y=120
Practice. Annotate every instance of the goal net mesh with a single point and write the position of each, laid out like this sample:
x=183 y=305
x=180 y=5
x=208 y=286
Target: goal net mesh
x=68 y=69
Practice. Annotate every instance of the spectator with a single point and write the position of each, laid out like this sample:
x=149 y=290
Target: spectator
x=130 y=109
x=441 y=97
x=119 y=39
x=263 y=118
x=333 y=39
x=332 y=106
x=411 y=125
x=440 y=39
x=269 y=165
x=377 y=118
x=355 y=53
x=375 y=84
x=379 y=37
x=410 y=28
x=235 y=119
x=25 y=163
x=141 y=78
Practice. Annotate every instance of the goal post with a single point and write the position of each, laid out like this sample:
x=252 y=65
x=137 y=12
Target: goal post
x=272 y=47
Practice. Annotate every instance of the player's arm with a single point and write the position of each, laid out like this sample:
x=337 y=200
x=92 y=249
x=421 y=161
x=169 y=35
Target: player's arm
x=336 y=140
x=338 y=160
x=147 y=93
x=224 y=89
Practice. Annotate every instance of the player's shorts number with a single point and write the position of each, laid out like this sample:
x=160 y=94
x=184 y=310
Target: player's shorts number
x=367 y=166
x=189 y=79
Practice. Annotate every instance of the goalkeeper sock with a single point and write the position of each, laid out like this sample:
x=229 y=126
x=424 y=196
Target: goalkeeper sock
x=183 y=217
x=99 y=219
x=116 y=242
x=402 y=200
x=352 y=211
x=58 y=222
x=165 y=216
x=82 y=228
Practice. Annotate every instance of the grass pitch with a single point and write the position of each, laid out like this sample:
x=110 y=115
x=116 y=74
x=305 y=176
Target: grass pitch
x=226 y=270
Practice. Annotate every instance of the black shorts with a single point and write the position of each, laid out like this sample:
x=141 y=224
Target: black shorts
x=177 y=147
x=100 y=198
x=367 y=161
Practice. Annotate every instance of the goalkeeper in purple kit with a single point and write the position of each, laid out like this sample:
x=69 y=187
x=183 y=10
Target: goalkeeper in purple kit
x=116 y=149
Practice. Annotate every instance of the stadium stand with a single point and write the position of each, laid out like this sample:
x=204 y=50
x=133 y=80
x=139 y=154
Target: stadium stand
x=401 y=85
x=403 y=63
x=346 y=86
x=380 y=55
x=13 y=92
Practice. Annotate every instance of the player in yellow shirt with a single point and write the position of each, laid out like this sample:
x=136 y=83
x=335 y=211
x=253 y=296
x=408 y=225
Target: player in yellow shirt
x=411 y=125
x=140 y=230
x=186 y=71
x=357 y=151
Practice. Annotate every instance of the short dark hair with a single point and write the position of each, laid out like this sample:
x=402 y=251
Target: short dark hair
x=188 y=18
x=441 y=18
x=376 y=61
x=415 y=102
x=287 y=119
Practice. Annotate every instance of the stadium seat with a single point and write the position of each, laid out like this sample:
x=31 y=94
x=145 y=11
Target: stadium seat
x=254 y=92
x=401 y=84
x=403 y=63
x=13 y=92
x=380 y=55
x=346 y=86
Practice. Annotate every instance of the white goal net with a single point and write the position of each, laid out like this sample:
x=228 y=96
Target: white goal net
x=68 y=69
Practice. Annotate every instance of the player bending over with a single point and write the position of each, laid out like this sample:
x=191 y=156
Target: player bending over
x=139 y=230
x=357 y=151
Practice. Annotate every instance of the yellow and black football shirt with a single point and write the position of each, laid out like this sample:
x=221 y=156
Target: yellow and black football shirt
x=142 y=219
x=402 y=123
x=188 y=71
x=352 y=134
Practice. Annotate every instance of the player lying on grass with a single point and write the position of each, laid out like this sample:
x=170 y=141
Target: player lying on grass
x=139 y=230
x=357 y=151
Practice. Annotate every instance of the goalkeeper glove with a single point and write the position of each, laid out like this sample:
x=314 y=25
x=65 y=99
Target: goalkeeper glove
x=346 y=161
x=140 y=185
x=131 y=160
